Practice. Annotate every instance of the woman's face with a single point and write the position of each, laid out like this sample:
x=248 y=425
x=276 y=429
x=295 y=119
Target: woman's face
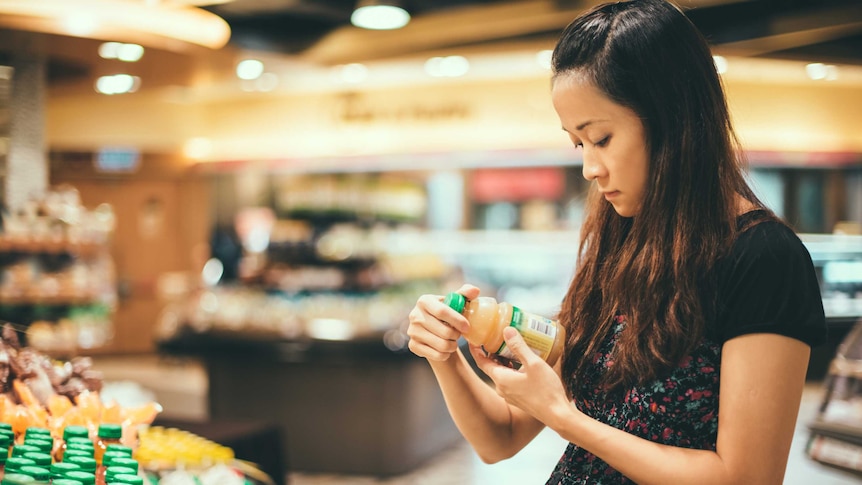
x=612 y=138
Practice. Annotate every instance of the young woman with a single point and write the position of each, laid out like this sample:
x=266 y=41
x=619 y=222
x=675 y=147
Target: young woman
x=693 y=308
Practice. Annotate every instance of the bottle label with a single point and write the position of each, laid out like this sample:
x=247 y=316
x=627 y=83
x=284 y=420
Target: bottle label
x=539 y=333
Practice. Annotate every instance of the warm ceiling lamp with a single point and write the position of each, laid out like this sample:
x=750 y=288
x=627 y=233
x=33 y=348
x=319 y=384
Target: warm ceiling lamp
x=379 y=15
x=166 y=25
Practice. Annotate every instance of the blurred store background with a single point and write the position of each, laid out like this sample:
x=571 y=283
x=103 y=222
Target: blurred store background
x=231 y=206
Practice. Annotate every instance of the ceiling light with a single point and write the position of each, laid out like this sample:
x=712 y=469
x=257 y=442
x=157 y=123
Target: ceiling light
x=109 y=50
x=819 y=71
x=118 y=84
x=379 y=15
x=158 y=24
x=249 y=69
x=123 y=52
x=449 y=66
x=130 y=52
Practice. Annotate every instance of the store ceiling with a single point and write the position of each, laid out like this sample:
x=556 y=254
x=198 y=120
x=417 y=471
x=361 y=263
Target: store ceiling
x=826 y=30
x=319 y=31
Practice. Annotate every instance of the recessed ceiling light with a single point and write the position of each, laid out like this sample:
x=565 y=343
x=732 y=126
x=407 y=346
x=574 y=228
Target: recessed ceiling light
x=249 y=69
x=379 y=15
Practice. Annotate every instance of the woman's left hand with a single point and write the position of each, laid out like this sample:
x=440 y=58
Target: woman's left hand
x=536 y=387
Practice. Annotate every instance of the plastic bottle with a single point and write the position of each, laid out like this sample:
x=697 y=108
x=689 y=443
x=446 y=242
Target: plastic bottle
x=70 y=432
x=108 y=434
x=545 y=337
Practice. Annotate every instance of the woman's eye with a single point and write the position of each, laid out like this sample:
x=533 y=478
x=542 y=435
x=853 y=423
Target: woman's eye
x=603 y=142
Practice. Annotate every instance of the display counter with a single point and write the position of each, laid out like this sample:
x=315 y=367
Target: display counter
x=352 y=407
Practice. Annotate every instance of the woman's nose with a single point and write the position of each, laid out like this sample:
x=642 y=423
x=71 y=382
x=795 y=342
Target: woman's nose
x=593 y=167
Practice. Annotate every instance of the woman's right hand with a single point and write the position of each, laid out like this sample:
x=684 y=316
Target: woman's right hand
x=435 y=328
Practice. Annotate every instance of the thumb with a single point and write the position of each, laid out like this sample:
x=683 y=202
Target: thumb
x=516 y=344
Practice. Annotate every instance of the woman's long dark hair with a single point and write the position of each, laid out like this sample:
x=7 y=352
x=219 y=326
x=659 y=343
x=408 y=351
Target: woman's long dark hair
x=656 y=268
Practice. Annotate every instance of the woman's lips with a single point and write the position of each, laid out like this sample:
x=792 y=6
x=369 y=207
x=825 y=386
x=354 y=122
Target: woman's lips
x=611 y=194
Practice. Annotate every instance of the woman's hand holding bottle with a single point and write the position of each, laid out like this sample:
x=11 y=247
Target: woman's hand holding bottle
x=435 y=328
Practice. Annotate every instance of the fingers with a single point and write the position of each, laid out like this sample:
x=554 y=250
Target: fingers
x=470 y=292
x=516 y=344
x=433 y=328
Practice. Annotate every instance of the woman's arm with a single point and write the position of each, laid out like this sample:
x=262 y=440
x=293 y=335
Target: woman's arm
x=495 y=429
x=762 y=377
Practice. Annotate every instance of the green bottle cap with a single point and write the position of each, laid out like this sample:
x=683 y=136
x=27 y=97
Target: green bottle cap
x=76 y=432
x=15 y=463
x=65 y=481
x=44 y=446
x=110 y=431
x=113 y=447
x=17 y=479
x=6 y=426
x=5 y=440
x=87 y=448
x=4 y=454
x=37 y=472
x=124 y=462
x=456 y=301
x=60 y=469
x=41 y=459
x=86 y=463
x=37 y=430
x=79 y=440
x=83 y=477
x=109 y=456
x=73 y=452
x=112 y=471
x=19 y=450
x=128 y=480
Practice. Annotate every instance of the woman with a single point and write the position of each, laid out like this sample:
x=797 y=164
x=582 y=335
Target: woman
x=692 y=311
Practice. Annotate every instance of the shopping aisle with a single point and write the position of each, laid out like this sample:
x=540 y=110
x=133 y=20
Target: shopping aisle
x=460 y=466
x=180 y=385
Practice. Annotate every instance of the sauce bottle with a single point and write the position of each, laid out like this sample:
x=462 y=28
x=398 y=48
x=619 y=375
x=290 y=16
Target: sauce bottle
x=545 y=337
x=108 y=434
x=69 y=432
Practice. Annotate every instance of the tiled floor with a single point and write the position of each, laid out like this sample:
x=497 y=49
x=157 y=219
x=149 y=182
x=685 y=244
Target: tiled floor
x=460 y=466
x=181 y=387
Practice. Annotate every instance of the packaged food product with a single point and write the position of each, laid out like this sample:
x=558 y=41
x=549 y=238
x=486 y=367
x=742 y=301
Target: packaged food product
x=488 y=318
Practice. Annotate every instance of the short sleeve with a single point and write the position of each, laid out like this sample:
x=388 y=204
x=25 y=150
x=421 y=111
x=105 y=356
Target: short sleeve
x=767 y=284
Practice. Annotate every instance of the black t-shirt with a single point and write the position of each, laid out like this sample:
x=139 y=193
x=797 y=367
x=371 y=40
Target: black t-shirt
x=767 y=284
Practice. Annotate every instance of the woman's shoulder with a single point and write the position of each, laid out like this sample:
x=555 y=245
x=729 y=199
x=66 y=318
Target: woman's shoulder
x=761 y=234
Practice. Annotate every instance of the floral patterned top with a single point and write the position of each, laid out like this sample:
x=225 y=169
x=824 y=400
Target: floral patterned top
x=766 y=284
